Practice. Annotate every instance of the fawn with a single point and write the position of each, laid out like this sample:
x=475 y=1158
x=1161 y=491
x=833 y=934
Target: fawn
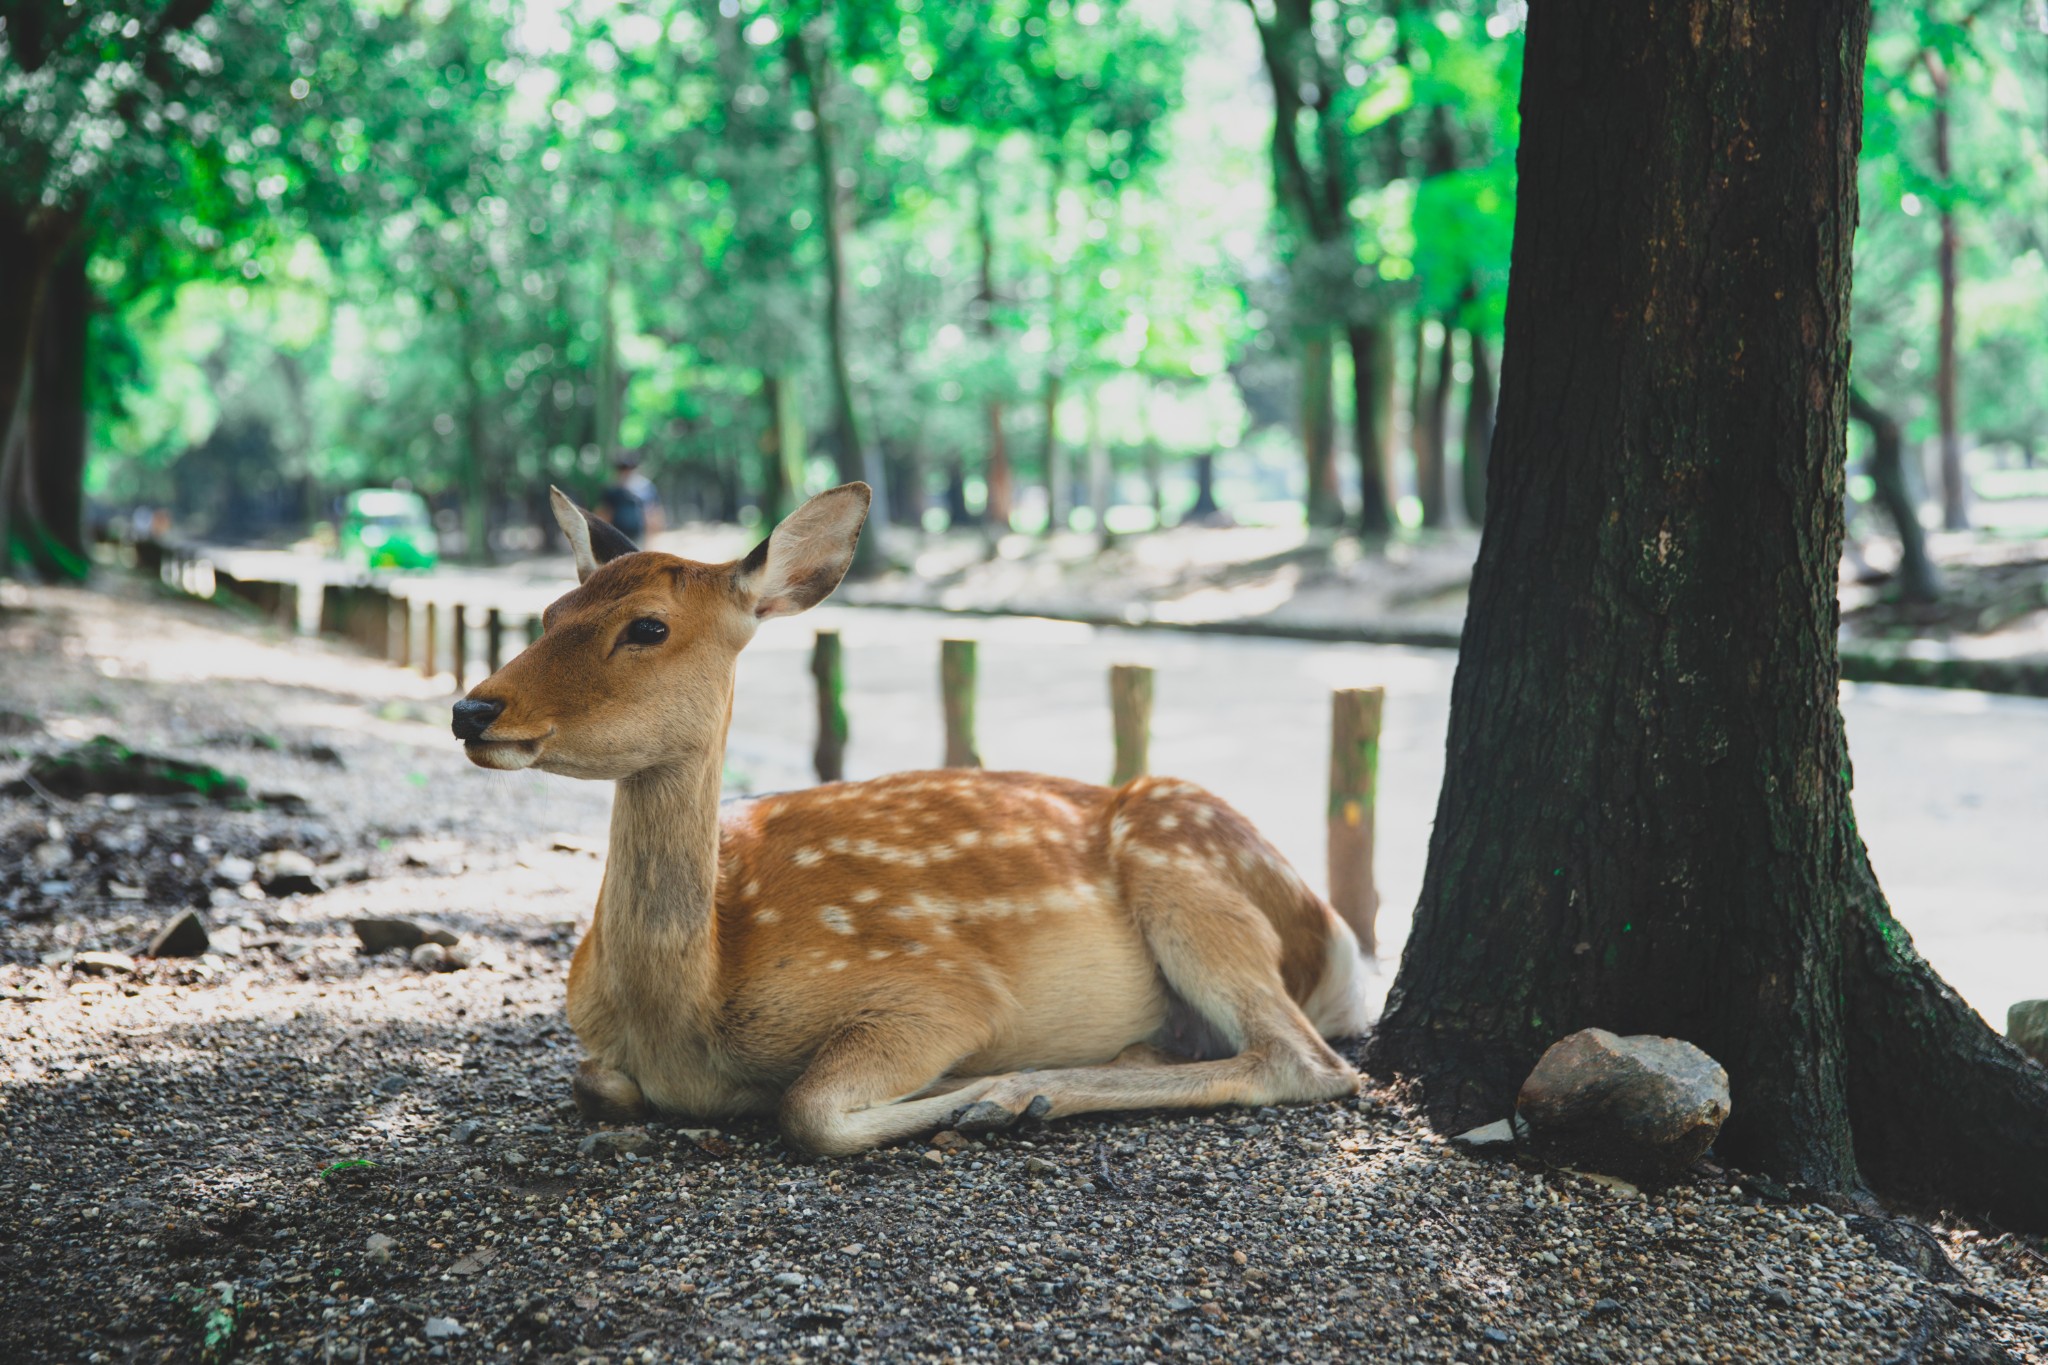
x=873 y=960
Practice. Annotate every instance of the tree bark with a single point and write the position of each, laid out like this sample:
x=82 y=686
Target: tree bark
x=856 y=459
x=1372 y=411
x=1478 y=430
x=1319 y=430
x=32 y=242
x=57 y=426
x=1955 y=509
x=782 y=448
x=1428 y=404
x=1645 y=822
x=1918 y=579
x=996 y=513
x=1057 y=493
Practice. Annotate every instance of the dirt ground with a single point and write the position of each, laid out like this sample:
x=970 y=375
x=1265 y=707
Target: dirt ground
x=287 y=1149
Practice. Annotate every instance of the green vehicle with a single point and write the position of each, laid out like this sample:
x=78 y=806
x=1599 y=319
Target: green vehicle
x=386 y=528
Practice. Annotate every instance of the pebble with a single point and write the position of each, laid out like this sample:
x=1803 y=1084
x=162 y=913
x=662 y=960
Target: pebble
x=100 y=964
x=790 y=1279
x=615 y=1142
x=184 y=936
x=439 y=1329
x=465 y=1132
x=378 y=1246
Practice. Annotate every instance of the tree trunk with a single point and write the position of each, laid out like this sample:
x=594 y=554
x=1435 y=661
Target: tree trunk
x=57 y=424
x=32 y=242
x=1100 y=473
x=1319 y=431
x=1001 y=488
x=476 y=455
x=1478 y=430
x=1205 y=489
x=1372 y=377
x=855 y=458
x=1645 y=821
x=1918 y=580
x=782 y=448
x=1426 y=424
x=1955 y=509
x=1057 y=494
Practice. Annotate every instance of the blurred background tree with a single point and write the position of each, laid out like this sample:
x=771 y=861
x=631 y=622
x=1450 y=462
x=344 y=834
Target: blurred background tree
x=1028 y=265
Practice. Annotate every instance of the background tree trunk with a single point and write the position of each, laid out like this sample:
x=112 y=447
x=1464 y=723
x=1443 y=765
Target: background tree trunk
x=32 y=242
x=1955 y=505
x=1478 y=430
x=1918 y=580
x=1428 y=405
x=1645 y=821
x=1001 y=505
x=1319 y=431
x=855 y=458
x=57 y=422
x=1372 y=424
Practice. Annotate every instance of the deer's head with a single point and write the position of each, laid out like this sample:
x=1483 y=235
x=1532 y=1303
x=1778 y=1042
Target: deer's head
x=634 y=669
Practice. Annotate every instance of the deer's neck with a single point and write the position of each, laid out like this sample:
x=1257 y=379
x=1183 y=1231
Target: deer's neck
x=661 y=878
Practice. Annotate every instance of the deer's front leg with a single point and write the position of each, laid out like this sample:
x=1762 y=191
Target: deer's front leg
x=605 y=1094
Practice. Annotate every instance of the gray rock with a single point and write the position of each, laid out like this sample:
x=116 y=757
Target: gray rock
x=102 y=964
x=615 y=1142
x=790 y=1279
x=378 y=1248
x=1038 y=1165
x=288 y=872
x=51 y=856
x=234 y=870
x=1641 y=1108
x=440 y=1329
x=430 y=957
x=466 y=1131
x=184 y=936
x=2026 y=1023
x=1491 y=1139
x=377 y=935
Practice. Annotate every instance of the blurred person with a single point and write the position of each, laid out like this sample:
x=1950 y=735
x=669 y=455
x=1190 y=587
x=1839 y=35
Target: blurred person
x=631 y=502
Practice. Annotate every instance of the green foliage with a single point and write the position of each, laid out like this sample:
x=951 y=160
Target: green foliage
x=479 y=245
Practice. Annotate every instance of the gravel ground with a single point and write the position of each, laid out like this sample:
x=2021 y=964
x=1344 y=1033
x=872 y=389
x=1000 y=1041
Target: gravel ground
x=291 y=1150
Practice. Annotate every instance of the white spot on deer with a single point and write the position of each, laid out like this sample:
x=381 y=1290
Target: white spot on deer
x=1119 y=830
x=837 y=964
x=835 y=918
x=867 y=895
x=877 y=954
x=1013 y=838
x=1151 y=857
x=753 y=889
x=915 y=949
x=1169 y=821
x=943 y=965
x=967 y=838
x=808 y=857
x=1205 y=815
x=1054 y=836
x=766 y=916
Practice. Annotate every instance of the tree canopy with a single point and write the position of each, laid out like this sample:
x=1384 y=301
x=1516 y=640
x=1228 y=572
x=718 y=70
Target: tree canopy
x=487 y=244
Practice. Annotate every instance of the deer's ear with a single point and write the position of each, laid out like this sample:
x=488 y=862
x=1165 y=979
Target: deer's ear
x=798 y=566
x=594 y=542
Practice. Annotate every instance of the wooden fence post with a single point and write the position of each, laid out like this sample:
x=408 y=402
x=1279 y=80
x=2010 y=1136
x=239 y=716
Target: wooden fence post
x=1130 y=713
x=494 y=639
x=398 y=631
x=459 y=639
x=956 y=692
x=1354 y=776
x=827 y=667
x=533 y=628
x=429 y=646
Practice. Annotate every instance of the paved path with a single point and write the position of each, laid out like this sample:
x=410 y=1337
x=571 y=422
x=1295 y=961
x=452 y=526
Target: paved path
x=1951 y=787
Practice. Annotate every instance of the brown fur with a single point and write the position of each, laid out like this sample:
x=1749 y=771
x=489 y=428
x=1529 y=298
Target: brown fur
x=869 y=960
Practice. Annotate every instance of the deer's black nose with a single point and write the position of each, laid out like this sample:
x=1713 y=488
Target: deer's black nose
x=474 y=716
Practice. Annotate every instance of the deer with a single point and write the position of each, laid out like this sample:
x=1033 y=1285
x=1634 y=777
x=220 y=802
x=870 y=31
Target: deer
x=867 y=962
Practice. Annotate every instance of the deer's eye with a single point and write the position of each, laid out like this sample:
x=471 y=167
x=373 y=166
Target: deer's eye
x=646 y=631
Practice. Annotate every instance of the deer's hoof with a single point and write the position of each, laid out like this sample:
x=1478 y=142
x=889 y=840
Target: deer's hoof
x=983 y=1116
x=605 y=1094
